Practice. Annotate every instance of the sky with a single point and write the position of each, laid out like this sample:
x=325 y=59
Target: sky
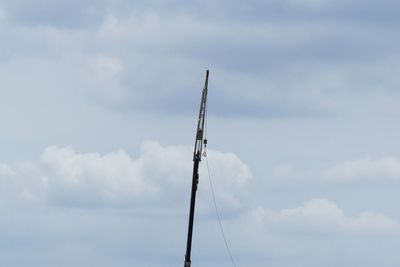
x=98 y=111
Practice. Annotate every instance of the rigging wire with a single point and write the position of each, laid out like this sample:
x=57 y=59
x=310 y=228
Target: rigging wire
x=212 y=190
x=219 y=216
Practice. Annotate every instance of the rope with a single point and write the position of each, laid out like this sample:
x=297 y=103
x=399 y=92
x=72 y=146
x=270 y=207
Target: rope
x=213 y=193
x=219 y=216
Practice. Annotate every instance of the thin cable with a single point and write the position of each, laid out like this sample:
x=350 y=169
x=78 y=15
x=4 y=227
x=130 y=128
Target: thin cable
x=219 y=216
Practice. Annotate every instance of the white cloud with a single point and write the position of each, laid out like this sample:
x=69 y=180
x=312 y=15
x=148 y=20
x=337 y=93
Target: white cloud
x=94 y=177
x=102 y=75
x=229 y=176
x=160 y=174
x=21 y=183
x=365 y=169
x=321 y=215
x=6 y=170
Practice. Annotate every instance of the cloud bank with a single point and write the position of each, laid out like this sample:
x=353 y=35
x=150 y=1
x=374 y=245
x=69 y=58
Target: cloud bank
x=365 y=170
x=63 y=176
x=320 y=215
x=310 y=60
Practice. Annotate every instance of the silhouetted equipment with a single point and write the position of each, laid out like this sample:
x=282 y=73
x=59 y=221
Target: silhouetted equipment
x=197 y=153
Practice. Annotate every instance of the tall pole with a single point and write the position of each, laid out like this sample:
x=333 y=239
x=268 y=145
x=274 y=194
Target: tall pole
x=197 y=153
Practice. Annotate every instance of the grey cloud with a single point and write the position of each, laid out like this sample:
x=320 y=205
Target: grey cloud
x=320 y=63
x=382 y=13
x=292 y=57
x=54 y=13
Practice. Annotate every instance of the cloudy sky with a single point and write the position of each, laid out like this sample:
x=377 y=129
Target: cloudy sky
x=98 y=111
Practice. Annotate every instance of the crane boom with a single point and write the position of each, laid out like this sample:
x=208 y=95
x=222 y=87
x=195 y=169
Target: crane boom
x=197 y=153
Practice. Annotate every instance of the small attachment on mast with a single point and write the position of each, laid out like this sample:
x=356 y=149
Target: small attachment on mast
x=198 y=146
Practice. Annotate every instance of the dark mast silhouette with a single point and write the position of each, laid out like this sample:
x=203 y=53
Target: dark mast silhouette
x=197 y=153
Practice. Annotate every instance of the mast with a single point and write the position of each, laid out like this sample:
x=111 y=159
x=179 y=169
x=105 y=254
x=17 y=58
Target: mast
x=197 y=153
